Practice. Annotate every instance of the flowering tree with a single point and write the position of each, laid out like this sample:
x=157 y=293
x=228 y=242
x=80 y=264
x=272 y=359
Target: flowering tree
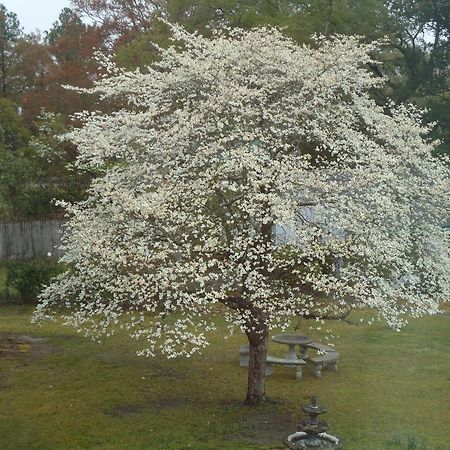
x=217 y=145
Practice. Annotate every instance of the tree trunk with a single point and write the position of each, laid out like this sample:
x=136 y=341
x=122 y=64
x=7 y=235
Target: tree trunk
x=3 y=72
x=258 y=344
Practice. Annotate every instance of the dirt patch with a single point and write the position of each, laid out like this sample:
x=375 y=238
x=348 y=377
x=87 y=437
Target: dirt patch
x=125 y=410
x=169 y=403
x=17 y=345
x=263 y=425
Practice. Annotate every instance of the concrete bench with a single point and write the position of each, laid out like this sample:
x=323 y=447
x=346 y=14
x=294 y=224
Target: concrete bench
x=320 y=362
x=321 y=347
x=297 y=363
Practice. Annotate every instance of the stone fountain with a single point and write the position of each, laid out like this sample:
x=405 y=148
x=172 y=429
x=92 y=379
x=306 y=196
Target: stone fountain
x=312 y=432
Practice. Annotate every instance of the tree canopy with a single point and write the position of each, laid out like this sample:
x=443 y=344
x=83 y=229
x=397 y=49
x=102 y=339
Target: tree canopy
x=214 y=147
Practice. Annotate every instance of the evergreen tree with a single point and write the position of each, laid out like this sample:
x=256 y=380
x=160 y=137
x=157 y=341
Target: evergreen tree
x=10 y=31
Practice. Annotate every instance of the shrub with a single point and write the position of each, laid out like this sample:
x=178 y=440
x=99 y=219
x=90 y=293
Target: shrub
x=25 y=279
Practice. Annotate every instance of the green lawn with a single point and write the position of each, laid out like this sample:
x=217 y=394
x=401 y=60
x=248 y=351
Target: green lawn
x=392 y=391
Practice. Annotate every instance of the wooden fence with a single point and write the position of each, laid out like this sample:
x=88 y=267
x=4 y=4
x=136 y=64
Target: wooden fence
x=30 y=239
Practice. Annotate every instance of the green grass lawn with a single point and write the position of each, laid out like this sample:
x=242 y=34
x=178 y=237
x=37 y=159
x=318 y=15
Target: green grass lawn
x=392 y=391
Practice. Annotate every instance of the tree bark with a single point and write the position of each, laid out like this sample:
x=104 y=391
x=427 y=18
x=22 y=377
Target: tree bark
x=258 y=344
x=258 y=339
x=3 y=72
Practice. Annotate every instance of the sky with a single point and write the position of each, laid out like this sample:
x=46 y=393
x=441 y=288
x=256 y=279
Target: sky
x=34 y=14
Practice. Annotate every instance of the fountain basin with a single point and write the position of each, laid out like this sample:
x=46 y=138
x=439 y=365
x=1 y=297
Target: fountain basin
x=302 y=440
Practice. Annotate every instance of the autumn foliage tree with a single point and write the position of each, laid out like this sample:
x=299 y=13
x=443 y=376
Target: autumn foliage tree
x=218 y=143
x=40 y=66
x=72 y=45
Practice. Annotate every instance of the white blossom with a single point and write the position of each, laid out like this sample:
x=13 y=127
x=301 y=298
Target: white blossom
x=214 y=146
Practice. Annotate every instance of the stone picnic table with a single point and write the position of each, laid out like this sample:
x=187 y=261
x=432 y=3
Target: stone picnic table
x=292 y=341
x=328 y=356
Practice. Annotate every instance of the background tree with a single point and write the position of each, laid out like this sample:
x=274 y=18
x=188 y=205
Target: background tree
x=215 y=145
x=72 y=45
x=10 y=31
x=135 y=24
x=16 y=166
x=35 y=169
x=420 y=72
x=300 y=18
x=34 y=74
x=120 y=17
x=55 y=158
x=30 y=77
